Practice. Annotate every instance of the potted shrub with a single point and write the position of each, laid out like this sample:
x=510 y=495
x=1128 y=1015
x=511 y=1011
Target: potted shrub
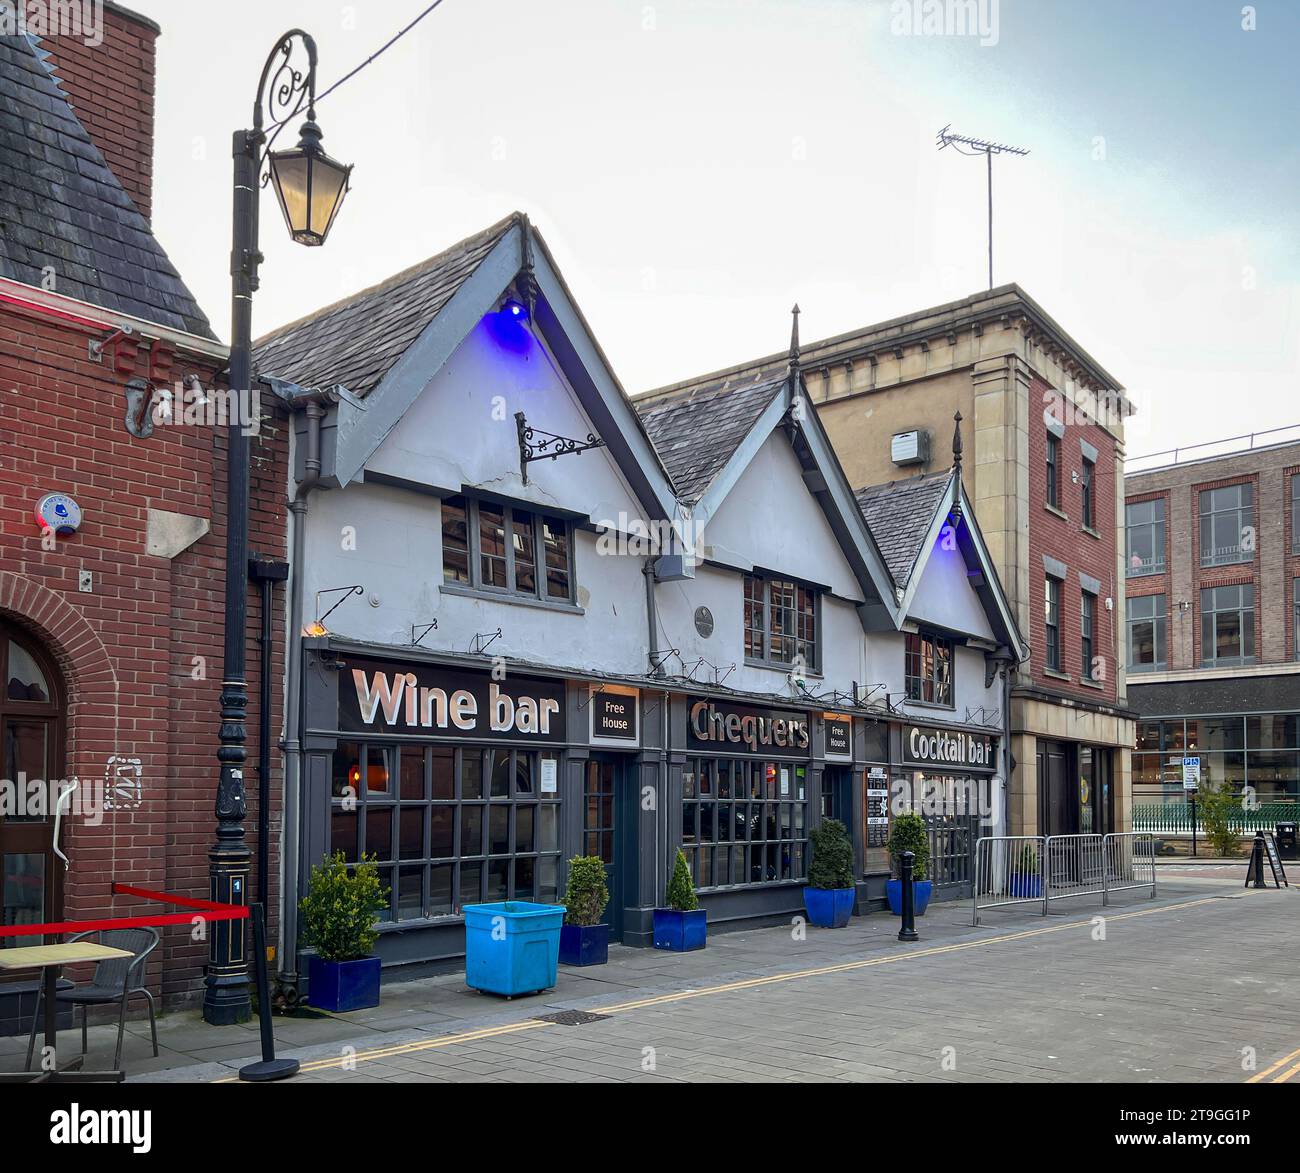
x=828 y=896
x=512 y=947
x=907 y=833
x=683 y=925
x=338 y=921
x=583 y=939
x=1025 y=883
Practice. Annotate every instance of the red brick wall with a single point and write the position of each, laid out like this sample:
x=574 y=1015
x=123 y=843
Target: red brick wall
x=1065 y=539
x=111 y=88
x=127 y=648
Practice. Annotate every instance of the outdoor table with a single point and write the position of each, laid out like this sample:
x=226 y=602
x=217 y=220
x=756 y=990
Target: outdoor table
x=49 y=959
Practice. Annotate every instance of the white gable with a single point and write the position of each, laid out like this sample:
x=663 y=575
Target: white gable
x=770 y=519
x=944 y=595
x=461 y=430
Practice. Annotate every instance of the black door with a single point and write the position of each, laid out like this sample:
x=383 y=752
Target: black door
x=601 y=830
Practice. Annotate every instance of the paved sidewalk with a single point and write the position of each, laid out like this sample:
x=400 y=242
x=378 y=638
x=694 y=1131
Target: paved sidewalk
x=1174 y=992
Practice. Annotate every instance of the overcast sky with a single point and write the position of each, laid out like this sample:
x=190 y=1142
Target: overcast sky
x=699 y=165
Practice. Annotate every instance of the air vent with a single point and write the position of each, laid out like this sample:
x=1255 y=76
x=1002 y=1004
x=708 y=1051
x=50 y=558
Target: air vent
x=910 y=447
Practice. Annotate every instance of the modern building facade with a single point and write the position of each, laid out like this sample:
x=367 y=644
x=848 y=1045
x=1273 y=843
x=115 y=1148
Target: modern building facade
x=568 y=623
x=1046 y=476
x=111 y=513
x=1213 y=581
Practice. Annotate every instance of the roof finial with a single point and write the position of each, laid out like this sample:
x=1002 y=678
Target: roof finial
x=794 y=338
x=956 y=444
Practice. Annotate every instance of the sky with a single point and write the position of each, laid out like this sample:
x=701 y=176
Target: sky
x=697 y=166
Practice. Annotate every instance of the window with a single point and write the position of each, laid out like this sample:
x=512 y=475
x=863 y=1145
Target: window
x=1089 y=509
x=1227 y=525
x=1145 y=530
x=495 y=547
x=1053 y=471
x=928 y=660
x=450 y=826
x=1087 y=622
x=1228 y=625
x=1146 y=634
x=1295 y=513
x=744 y=822
x=1052 y=622
x=780 y=622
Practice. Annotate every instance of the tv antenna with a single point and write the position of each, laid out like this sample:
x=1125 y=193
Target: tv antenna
x=979 y=146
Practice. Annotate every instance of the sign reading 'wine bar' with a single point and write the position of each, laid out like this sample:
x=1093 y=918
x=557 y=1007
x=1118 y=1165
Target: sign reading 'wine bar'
x=378 y=697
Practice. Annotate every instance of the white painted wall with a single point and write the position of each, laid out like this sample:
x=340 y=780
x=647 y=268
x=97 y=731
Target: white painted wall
x=945 y=597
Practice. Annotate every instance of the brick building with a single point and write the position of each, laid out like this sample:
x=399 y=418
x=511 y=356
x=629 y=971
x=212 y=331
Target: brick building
x=886 y=395
x=1213 y=582
x=110 y=633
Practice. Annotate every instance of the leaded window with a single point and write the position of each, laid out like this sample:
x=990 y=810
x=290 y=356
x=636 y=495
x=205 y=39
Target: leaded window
x=496 y=547
x=780 y=622
x=928 y=664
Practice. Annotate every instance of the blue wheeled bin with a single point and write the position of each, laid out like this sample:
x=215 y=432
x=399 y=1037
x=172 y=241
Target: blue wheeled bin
x=512 y=947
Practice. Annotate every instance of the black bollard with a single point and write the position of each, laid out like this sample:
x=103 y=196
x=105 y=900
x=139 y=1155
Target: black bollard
x=270 y=1068
x=908 y=931
x=1257 y=859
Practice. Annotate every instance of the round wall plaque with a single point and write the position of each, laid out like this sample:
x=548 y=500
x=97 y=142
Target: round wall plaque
x=59 y=512
x=703 y=622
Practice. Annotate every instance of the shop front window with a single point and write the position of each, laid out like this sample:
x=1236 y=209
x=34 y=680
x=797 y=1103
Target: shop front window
x=450 y=826
x=744 y=822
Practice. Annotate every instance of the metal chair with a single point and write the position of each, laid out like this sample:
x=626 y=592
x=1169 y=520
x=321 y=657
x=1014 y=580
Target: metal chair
x=116 y=980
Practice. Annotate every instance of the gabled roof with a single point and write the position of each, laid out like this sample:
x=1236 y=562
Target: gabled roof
x=383 y=345
x=696 y=433
x=62 y=210
x=899 y=515
x=907 y=519
x=357 y=341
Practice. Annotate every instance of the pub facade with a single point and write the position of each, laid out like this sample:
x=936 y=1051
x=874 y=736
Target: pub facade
x=533 y=621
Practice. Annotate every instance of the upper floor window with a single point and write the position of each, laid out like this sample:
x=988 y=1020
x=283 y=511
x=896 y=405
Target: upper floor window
x=1228 y=625
x=1089 y=490
x=1146 y=623
x=1087 y=624
x=496 y=547
x=1227 y=525
x=1053 y=471
x=928 y=662
x=780 y=622
x=1052 y=623
x=1145 y=530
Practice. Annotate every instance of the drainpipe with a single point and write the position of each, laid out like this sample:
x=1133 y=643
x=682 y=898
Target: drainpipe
x=287 y=978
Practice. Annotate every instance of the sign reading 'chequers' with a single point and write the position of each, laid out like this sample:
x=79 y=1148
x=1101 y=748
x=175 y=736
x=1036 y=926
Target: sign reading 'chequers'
x=924 y=746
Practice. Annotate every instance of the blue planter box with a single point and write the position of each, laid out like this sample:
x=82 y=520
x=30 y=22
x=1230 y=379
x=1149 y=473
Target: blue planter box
x=1026 y=887
x=584 y=944
x=921 y=890
x=828 y=908
x=343 y=985
x=512 y=947
x=680 y=931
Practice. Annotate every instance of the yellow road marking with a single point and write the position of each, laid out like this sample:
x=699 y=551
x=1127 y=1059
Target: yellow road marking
x=1260 y=1076
x=750 y=983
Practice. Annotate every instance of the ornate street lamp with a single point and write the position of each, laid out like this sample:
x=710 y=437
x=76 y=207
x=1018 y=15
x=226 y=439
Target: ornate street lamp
x=310 y=186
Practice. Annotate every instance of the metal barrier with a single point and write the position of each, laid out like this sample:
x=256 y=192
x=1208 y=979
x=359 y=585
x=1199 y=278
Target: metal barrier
x=1037 y=869
x=1008 y=870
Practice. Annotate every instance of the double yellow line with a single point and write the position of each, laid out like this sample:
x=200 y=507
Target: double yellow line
x=1261 y=1076
x=381 y=1053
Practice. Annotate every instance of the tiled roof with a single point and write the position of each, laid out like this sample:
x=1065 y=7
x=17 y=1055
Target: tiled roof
x=356 y=341
x=696 y=432
x=899 y=515
x=62 y=211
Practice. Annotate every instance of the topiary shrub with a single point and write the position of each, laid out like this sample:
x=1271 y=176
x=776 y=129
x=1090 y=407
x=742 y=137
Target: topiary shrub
x=832 y=856
x=907 y=833
x=587 y=891
x=681 y=889
x=341 y=906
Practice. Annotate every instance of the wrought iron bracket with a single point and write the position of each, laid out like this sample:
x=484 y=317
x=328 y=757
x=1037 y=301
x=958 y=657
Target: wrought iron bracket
x=428 y=627
x=482 y=641
x=537 y=444
x=347 y=592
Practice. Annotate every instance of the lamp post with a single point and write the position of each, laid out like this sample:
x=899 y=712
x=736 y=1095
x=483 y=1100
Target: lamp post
x=310 y=186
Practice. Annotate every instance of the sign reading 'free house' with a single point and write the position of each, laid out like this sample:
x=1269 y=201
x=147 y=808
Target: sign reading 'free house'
x=378 y=697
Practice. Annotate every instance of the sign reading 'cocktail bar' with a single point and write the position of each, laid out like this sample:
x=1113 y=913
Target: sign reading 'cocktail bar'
x=925 y=746
x=375 y=696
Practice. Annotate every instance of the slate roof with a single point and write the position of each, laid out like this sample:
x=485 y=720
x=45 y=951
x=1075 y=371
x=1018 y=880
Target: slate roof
x=899 y=515
x=61 y=207
x=696 y=432
x=356 y=341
